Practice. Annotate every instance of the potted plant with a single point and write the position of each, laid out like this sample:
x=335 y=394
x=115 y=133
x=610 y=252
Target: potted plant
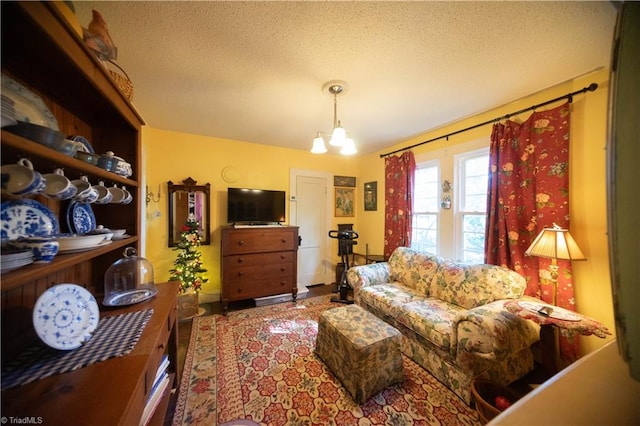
x=188 y=269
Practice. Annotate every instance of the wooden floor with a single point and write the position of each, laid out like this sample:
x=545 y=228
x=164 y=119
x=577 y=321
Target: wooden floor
x=184 y=329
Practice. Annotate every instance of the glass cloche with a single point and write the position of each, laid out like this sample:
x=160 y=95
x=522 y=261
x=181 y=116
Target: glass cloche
x=129 y=280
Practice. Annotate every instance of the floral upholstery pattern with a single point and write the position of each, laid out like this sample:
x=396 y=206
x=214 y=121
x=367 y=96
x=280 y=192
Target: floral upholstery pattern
x=413 y=268
x=362 y=351
x=451 y=316
x=474 y=285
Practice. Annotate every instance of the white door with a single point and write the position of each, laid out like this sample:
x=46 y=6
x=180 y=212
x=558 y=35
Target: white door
x=309 y=211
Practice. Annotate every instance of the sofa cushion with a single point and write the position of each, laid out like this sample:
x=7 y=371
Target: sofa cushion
x=431 y=319
x=413 y=268
x=387 y=298
x=474 y=285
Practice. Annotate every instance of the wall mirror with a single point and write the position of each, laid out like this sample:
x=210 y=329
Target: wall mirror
x=188 y=201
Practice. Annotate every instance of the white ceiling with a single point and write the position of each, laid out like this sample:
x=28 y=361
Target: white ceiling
x=253 y=71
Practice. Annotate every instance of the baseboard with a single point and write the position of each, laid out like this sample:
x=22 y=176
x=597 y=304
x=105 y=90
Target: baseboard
x=208 y=297
x=279 y=298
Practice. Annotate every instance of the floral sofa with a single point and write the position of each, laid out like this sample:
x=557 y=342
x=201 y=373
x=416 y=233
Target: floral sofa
x=451 y=316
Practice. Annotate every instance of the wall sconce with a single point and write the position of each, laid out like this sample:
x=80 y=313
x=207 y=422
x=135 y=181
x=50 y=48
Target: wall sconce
x=446 y=202
x=151 y=197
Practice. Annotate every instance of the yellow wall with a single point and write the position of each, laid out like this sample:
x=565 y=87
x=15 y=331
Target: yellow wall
x=171 y=156
x=174 y=156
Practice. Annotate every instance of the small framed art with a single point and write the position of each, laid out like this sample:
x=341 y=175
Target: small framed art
x=345 y=202
x=348 y=181
x=371 y=196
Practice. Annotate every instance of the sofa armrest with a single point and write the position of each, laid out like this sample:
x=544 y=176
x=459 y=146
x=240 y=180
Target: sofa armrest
x=366 y=275
x=490 y=331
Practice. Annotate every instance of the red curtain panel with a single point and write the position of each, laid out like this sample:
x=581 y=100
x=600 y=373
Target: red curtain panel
x=399 y=174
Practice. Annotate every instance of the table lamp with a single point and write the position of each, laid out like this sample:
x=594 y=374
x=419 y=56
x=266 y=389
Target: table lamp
x=555 y=243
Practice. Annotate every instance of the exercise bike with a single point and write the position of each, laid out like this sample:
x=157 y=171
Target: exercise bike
x=345 y=241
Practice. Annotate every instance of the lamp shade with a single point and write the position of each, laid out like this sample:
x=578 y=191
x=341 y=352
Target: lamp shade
x=318 y=146
x=555 y=243
x=338 y=136
x=348 y=147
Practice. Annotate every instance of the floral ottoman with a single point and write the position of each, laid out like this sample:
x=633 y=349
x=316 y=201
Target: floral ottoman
x=361 y=350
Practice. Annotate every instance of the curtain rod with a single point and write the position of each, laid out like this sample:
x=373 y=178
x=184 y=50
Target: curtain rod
x=590 y=88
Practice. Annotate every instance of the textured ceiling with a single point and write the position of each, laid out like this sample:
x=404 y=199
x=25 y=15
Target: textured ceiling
x=253 y=71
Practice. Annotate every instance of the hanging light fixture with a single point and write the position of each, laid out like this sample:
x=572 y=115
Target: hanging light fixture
x=338 y=135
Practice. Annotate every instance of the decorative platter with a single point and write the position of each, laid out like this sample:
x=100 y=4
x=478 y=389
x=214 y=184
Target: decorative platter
x=28 y=106
x=80 y=218
x=26 y=218
x=65 y=316
x=130 y=297
x=84 y=248
x=556 y=312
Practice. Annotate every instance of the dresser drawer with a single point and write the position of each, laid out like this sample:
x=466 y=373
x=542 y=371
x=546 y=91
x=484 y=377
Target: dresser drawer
x=260 y=259
x=256 y=241
x=259 y=288
x=234 y=272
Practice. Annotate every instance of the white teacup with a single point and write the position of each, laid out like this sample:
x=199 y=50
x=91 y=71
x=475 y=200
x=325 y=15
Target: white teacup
x=104 y=195
x=117 y=194
x=58 y=186
x=127 y=196
x=86 y=193
x=21 y=178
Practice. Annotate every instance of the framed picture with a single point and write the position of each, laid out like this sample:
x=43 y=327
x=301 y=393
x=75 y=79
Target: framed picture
x=371 y=196
x=348 y=181
x=345 y=199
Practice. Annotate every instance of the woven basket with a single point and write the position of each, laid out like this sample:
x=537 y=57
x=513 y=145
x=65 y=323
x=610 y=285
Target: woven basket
x=484 y=393
x=122 y=80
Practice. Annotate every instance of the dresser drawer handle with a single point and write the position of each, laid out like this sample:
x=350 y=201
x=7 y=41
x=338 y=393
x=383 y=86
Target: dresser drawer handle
x=284 y=240
x=240 y=273
x=282 y=269
x=161 y=346
x=283 y=283
x=241 y=243
x=282 y=256
x=240 y=260
x=239 y=290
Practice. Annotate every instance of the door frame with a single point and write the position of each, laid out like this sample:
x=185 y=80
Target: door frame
x=293 y=220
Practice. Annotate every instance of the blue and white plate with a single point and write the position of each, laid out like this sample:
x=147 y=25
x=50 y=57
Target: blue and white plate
x=80 y=218
x=86 y=145
x=27 y=218
x=65 y=316
x=28 y=106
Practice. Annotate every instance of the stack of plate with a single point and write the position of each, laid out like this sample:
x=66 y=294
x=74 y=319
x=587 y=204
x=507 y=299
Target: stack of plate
x=71 y=243
x=15 y=258
x=8 y=111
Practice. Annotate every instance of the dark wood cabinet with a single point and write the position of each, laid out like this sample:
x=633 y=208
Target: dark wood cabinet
x=258 y=262
x=42 y=51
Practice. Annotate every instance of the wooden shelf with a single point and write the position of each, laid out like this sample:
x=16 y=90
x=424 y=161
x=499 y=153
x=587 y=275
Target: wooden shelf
x=26 y=147
x=35 y=271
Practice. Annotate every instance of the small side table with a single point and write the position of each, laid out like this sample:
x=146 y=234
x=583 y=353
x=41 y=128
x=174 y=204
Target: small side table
x=568 y=322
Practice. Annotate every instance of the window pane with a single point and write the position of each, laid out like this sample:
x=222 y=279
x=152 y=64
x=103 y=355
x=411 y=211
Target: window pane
x=473 y=238
x=424 y=234
x=425 y=209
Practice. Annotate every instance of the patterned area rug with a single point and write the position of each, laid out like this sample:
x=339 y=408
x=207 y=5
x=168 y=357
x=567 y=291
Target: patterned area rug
x=259 y=364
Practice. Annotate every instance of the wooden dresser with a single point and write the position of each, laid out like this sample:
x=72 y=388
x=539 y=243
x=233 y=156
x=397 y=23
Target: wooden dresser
x=258 y=262
x=111 y=392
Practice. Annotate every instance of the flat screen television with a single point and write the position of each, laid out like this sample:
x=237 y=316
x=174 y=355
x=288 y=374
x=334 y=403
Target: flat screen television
x=255 y=206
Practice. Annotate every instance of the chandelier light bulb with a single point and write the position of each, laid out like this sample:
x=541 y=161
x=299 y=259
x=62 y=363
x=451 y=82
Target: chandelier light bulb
x=318 y=145
x=348 y=147
x=338 y=136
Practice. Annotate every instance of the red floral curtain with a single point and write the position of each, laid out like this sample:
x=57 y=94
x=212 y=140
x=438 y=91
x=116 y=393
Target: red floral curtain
x=398 y=201
x=528 y=191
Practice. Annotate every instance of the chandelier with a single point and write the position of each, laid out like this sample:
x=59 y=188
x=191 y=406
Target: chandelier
x=339 y=136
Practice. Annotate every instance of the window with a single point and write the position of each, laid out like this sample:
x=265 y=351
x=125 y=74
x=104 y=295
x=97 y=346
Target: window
x=457 y=232
x=424 y=235
x=471 y=213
